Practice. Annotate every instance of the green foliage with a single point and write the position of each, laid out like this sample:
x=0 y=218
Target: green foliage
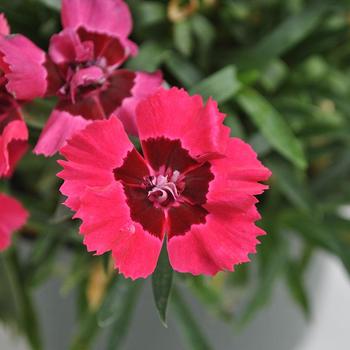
x=280 y=70
x=162 y=281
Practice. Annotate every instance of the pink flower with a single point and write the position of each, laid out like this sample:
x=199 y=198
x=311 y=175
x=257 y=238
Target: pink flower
x=13 y=134
x=22 y=77
x=192 y=185
x=84 y=71
x=12 y=217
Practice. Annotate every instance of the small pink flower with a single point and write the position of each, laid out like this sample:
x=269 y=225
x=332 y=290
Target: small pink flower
x=84 y=71
x=13 y=134
x=22 y=77
x=192 y=185
x=12 y=217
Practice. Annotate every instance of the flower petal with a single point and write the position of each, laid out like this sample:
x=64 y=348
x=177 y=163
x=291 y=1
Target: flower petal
x=135 y=251
x=228 y=234
x=176 y=115
x=92 y=155
x=223 y=241
x=66 y=47
x=13 y=145
x=59 y=128
x=12 y=217
x=145 y=84
x=238 y=173
x=4 y=26
x=25 y=70
x=101 y=16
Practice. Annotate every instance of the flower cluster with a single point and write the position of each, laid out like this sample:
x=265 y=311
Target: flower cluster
x=189 y=183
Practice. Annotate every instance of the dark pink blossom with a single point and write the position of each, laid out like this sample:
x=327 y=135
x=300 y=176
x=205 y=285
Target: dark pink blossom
x=192 y=185
x=22 y=77
x=12 y=217
x=84 y=71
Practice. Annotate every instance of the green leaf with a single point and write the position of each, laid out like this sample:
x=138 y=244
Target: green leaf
x=184 y=70
x=162 y=281
x=151 y=55
x=193 y=336
x=113 y=302
x=272 y=126
x=148 y=13
x=221 y=86
x=120 y=326
x=288 y=34
x=271 y=265
x=291 y=185
x=296 y=286
x=27 y=316
x=54 y=4
x=183 y=37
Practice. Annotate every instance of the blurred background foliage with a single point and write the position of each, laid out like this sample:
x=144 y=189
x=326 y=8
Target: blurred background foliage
x=280 y=70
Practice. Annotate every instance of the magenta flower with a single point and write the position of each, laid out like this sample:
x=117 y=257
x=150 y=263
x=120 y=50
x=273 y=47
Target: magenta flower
x=22 y=77
x=84 y=71
x=12 y=217
x=192 y=185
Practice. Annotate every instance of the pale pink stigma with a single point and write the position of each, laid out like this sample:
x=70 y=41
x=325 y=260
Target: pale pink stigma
x=163 y=187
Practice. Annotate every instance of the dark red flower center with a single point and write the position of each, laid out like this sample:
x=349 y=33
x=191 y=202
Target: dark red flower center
x=165 y=190
x=91 y=86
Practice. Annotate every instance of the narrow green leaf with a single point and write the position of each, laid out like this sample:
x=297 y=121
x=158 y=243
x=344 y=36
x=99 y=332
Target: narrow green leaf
x=54 y=4
x=288 y=34
x=270 y=267
x=183 y=37
x=183 y=70
x=151 y=55
x=28 y=318
x=191 y=332
x=221 y=86
x=120 y=326
x=291 y=184
x=296 y=286
x=114 y=300
x=148 y=13
x=272 y=126
x=162 y=280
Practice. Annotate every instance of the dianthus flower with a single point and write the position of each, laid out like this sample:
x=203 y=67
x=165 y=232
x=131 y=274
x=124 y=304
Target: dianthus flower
x=12 y=217
x=84 y=72
x=191 y=185
x=21 y=66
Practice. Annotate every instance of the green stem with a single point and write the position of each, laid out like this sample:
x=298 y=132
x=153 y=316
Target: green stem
x=29 y=322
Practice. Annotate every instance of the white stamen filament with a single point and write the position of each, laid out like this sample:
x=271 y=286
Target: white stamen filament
x=163 y=187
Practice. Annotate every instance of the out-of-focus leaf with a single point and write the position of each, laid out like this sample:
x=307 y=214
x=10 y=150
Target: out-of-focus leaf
x=9 y=308
x=148 y=13
x=288 y=34
x=151 y=55
x=162 y=281
x=338 y=170
x=42 y=258
x=183 y=40
x=54 y=4
x=113 y=302
x=296 y=286
x=120 y=326
x=291 y=185
x=273 y=75
x=183 y=70
x=27 y=316
x=271 y=265
x=317 y=232
x=272 y=126
x=259 y=144
x=221 y=86
x=193 y=336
